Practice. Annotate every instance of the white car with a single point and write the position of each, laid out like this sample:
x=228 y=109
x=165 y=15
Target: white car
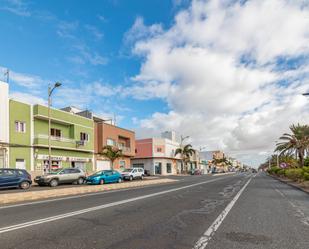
x=133 y=173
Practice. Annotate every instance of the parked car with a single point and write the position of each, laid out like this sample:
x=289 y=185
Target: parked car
x=60 y=176
x=15 y=178
x=133 y=173
x=104 y=176
x=196 y=172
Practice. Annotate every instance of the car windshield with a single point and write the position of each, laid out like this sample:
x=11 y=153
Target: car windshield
x=127 y=170
x=98 y=173
x=55 y=171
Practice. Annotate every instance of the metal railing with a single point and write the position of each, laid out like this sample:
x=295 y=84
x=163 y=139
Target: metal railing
x=55 y=138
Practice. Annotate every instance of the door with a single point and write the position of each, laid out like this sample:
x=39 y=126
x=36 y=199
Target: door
x=66 y=176
x=103 y=165
x=158 y=168
x=20 y=164
x=109 y=176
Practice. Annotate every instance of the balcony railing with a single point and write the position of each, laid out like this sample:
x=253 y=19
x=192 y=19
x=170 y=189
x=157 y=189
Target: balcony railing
x=54 y=138
x=124 y=148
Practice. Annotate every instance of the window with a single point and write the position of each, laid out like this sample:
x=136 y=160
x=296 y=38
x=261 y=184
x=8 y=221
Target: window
x=122 y=164
x=55 y=132
x=159 y=149
x=84 y=136
x=7 y=172
x=110 y=142
x=20 y=126
x=168 y=168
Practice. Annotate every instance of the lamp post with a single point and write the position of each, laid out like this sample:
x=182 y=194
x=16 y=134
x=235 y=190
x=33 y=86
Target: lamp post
x=50 y=91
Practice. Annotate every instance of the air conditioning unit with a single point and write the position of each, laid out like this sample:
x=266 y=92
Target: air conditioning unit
x=80 y=143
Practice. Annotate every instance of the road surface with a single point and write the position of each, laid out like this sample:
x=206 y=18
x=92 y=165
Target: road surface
x=240 y=211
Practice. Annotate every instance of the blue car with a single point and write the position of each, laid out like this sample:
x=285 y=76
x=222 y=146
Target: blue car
x=104 y=176
x=15 y=178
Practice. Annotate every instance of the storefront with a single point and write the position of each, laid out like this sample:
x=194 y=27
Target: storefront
x=42 y=162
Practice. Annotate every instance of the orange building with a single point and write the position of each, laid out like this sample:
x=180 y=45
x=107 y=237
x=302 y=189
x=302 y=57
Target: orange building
x=109 y=134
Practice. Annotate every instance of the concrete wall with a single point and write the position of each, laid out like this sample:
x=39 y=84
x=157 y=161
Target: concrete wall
x=144 y=148
x=4 y=112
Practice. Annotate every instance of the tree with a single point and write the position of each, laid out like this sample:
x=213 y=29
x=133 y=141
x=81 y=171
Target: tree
x=296 y=143
x=185 y=153
x=112 y=153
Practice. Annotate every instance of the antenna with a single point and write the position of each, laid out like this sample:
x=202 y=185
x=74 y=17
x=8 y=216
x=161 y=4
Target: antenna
x=7 y=74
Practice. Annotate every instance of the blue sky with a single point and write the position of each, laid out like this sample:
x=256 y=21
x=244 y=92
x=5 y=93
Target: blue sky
x=227 y=73
x=78 y=43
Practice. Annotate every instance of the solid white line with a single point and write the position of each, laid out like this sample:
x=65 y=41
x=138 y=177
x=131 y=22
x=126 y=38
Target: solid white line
x=74 y=197
x=81 y=196
x=87 y=210
x=203 y=241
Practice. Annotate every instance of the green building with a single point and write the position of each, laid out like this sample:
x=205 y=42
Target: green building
x=72 y=137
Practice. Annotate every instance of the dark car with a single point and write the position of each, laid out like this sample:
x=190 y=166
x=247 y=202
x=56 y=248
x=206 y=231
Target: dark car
x=15 y=178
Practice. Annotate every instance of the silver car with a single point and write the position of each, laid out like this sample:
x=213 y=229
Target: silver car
x=60 y=176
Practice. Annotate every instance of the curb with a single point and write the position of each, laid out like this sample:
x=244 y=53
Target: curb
x=290 y=184
x=53 y=193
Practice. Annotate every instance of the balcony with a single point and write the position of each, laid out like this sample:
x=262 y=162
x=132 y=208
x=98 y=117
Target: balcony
x=61 y=142
x=124 y=148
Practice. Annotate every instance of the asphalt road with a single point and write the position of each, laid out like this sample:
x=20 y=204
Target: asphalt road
x=231 y=211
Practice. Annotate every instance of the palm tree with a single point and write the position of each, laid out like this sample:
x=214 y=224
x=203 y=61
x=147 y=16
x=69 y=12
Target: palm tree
x=296 y=143
x=185 y=153
x=112 y=153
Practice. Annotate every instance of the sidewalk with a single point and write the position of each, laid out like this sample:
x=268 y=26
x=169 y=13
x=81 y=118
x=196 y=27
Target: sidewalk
x=51 y=193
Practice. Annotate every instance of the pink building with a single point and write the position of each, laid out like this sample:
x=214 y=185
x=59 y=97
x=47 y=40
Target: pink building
x=157 y=156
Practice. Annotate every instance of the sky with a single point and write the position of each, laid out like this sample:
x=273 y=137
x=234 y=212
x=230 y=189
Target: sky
x=230 y=74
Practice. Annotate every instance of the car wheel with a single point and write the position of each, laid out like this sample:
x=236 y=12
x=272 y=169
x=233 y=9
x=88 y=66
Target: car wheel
x=119 y=180
x=24 y=185
x=101 y=182
x=142 y=177
x=131 y=178
x=80 y=181
x=53 y=183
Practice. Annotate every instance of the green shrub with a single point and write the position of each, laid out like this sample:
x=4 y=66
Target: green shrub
x=273 y=170
x=294 y=174
x=306 y=169
x=306 y=176
x=281 y=172
x=306 y=162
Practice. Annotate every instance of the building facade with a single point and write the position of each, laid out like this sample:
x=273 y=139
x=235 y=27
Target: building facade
x=24 y=136
x=109 y=134
x=157 y=155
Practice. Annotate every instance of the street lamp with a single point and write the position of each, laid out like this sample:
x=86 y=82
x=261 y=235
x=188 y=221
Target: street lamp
x=183 y=139
x=50 y=91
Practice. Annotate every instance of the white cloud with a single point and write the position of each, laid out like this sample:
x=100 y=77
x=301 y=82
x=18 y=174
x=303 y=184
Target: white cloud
x=27 y=98
x=17 y=7
x=217 y=69
x=140 y=31
x=28 y=81
x=96 y=33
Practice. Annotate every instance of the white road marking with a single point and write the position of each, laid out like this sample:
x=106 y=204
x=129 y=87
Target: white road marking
x=203 y=241
x=87 y=210
x=303 y=218
x=72 y=197
x=79 y=196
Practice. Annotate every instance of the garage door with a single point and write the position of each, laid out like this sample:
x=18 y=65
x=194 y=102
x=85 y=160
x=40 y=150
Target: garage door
x=103 y=165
